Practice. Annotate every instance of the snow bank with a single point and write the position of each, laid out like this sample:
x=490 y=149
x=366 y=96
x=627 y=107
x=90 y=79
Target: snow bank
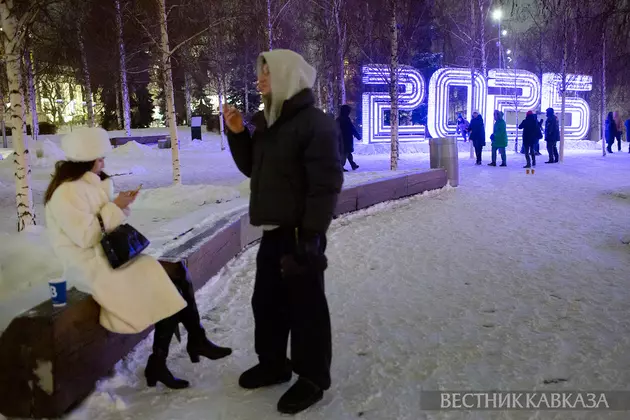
x=26 y=259
x=183 y=198
x=47 y=154
x=134 y=150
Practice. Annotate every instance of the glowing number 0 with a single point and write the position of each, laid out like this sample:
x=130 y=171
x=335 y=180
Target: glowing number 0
x=439 y=89
x=577 y=122
x=376 y=103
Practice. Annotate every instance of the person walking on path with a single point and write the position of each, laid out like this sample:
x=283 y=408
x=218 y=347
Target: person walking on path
x=477 y=135
x=499 y=139
x=552 y=136
x=348 y=133
x=293 y=161
x=610 y=131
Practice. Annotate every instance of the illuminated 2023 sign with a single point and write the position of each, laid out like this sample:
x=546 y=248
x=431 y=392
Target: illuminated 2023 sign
x=530 y=94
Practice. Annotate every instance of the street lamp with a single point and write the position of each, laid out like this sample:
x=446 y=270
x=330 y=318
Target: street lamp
x=497 y=15
x=504 y=33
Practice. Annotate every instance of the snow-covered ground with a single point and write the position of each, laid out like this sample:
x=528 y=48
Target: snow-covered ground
x=213 y=188
x=505 y=282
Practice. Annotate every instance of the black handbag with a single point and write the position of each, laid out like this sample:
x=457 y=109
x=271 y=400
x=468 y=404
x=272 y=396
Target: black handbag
x=123 y=244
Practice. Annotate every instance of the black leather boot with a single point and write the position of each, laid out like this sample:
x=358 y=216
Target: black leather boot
x=156 y=370
x=198 y=343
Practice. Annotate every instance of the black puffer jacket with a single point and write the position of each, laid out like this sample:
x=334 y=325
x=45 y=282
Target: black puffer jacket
x=531 y=130
x=294 y=166
x=552 y=130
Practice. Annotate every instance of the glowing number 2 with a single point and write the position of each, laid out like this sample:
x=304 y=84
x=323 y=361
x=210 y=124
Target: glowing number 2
x=376 y=103
x=528 y=88
x=577 y=122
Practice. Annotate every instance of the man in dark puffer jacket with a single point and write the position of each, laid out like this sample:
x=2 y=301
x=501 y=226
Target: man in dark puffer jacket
x=293 y=161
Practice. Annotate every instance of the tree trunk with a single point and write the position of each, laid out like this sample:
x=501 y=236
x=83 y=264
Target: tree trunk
x=269 y=26
x=472 y=69
x=221 y=102
x=124 y=89
x=565 y=53
x=32 y=94
x=603 y=91
x=319 y=92
x=170 y=94
x=482 y=41
x=118 y=112
x=187 y=87
x=246 y=92
x=87 y=84
x=341 y=40
x=21 y=157
x=330 y=91
x=3 y=112
x=393 y=88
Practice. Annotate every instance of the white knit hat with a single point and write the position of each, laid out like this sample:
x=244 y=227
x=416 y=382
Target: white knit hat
x=86 y=145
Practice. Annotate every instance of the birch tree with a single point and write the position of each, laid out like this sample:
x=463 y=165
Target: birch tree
x=124 y=88
x=13 y=37
x=393 y=88
x=32 y=93
x=169 y=92
x=87 y=85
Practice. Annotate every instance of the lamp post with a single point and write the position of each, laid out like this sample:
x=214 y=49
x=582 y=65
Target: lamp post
x=497 y=15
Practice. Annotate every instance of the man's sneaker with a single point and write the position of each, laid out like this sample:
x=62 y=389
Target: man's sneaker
x=300 y=396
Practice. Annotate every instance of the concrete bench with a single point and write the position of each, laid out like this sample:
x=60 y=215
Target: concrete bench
x=51 y=358
x=119 y=141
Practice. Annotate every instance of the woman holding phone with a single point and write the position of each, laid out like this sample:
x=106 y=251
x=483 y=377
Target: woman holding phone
x=137 y=295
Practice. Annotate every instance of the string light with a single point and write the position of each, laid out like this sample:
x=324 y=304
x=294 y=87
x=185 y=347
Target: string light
x=375 y=104
x=576 y=127
x=531 y=94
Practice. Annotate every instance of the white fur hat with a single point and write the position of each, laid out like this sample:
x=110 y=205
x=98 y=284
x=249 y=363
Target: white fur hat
x=86 y=144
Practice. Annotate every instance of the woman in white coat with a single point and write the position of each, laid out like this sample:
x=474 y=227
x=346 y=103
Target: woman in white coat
x=136 y=295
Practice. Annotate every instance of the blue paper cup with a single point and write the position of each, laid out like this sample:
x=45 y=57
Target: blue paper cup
x=58 y=292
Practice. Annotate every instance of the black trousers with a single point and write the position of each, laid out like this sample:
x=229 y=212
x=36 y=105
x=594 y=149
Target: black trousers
x=530 y=150
x=349 y=158
x=619 y=140
x=552 y=149
x=478 y=151
x=295 y=305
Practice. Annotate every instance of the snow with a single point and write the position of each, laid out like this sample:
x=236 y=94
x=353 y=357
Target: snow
x=502 y=283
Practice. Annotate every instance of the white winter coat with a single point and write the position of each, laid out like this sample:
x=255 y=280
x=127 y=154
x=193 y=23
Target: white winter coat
x=132 y=297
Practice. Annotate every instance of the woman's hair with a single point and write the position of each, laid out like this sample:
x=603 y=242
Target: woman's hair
x=66 y=171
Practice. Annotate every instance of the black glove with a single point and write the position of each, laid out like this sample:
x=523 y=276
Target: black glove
x=307 y=255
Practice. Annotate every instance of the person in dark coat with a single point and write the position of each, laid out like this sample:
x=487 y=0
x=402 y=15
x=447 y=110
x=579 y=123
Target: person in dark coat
x=348 y=133
x=531 y=136
x=477 y=135
x=627 y=124
x=293 y=161
x=619 y=135
x=552 y=136
x=610 y=131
